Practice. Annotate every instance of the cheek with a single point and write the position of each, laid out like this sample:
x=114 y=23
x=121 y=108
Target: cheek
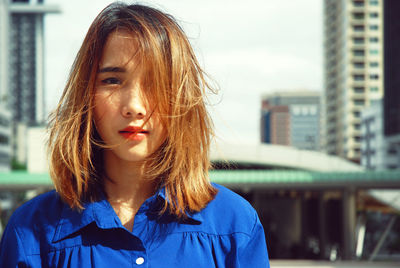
x=98 y=110
x=104 y=106
x=162 y=133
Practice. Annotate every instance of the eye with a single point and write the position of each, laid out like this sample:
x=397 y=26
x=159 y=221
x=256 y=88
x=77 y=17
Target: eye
x=111 y=81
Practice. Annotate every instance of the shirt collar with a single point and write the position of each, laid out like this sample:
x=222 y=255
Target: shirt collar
x=196 y=216
x=102 y=213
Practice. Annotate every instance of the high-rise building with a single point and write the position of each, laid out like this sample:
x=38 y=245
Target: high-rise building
x=376 y=151
x=26 y=60
x=22 y=61
x=291 y=118
x=392 y=72
x=353 y=70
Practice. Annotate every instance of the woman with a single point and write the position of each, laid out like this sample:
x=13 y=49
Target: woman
x=129 y=154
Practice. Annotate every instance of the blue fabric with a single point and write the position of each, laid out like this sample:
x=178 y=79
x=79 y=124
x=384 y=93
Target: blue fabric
x=45 y=232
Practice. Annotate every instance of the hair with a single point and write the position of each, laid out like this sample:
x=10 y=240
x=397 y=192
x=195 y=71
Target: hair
x=175 y=82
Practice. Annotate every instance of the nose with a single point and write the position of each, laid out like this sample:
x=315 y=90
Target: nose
x=133 y=105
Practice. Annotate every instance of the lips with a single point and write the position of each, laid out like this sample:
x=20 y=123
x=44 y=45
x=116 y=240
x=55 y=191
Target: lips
x=133 y=133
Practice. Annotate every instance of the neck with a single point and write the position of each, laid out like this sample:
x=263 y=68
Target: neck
x=126 y=187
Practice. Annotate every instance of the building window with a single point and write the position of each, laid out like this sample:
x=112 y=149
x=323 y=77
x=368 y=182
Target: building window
x=359 y=52
x=373 y=2
x=373 y=76
x=358 y=28
x=373 y=39
x=357 y=114
x=373 y=27
x=373 y=64
x=3 y=139
x=358 y=3
x=373 y=52
x=359 y=89
x=358 y=65
x=358 y=77
x=373 y=15
x=374 y=89
x=358 y=40
x=358 y=15
x=359 y=102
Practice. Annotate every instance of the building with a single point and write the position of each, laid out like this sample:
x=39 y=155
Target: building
x=353 y=70
x=392 y=76
x=5 y=134
x=275 y=124
x=376 y=152
x=291 y=118
x=22 y=62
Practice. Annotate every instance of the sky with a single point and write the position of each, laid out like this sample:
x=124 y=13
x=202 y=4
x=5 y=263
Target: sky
x=248 y=48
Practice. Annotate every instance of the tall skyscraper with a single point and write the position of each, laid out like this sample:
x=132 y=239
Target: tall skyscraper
x=353 y=70
x=26 y=60
x=291 y=118
x=22 y=62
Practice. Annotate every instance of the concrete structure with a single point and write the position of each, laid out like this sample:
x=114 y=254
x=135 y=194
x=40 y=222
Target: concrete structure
x=269 y=156
x=392 y=78
x=22 y=62
x=291 y=118
x=37 y=157
x=376 y=151
x=353 y=70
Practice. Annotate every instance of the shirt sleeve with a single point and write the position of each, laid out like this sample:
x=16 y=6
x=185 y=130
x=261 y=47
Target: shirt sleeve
x=254 y=254
x=11 y=250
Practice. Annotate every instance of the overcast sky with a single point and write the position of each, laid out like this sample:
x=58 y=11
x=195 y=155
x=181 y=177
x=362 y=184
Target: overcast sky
x=248 y=47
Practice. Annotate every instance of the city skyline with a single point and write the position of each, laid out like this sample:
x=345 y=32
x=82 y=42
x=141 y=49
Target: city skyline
x=249 y=50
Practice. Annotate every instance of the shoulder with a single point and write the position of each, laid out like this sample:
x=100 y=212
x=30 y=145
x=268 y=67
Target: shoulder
x=41 y=208
x=35 y=220
x=229 y=213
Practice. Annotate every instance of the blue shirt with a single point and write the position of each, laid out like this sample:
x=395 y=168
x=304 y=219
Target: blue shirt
x=45 y=232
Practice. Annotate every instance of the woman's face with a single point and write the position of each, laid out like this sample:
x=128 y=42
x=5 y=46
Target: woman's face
x=123 y=115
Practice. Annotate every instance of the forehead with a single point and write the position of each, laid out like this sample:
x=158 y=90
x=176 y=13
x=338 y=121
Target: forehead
x=121 y=48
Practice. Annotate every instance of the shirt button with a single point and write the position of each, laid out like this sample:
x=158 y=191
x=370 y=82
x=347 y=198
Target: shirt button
x=140 y=261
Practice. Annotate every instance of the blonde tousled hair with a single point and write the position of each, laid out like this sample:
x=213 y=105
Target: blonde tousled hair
x=177 y=84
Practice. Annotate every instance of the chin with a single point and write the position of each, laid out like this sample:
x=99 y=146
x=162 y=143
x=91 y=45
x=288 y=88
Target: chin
x=129 y=157
x=135 y=156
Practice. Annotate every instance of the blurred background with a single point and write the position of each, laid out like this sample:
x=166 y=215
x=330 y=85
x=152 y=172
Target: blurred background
x=307 y=114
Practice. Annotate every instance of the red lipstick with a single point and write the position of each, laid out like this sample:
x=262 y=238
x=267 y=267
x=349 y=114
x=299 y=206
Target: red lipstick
x=133 y=133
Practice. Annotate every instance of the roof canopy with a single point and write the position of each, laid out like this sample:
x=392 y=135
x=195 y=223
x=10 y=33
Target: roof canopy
x=250 y=179
x=281 y=157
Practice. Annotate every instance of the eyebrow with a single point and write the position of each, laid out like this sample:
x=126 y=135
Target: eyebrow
x=112 y=70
